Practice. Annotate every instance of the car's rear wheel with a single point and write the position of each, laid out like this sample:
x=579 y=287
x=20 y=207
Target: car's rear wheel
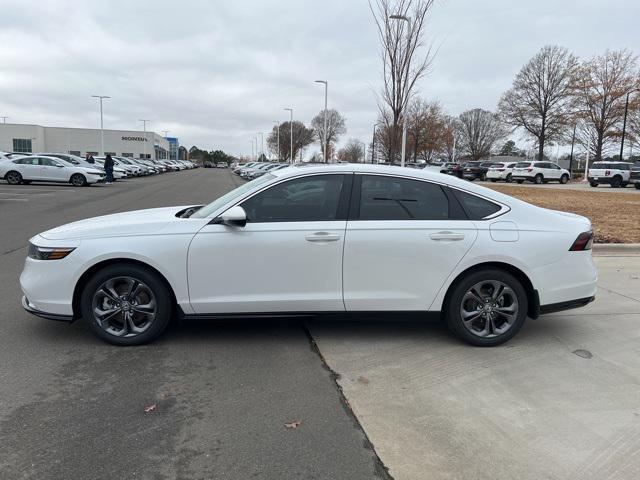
x=616 y=182
x=126 y=304
x=538 y=179
x=593 y=184
x=13 y=178
x=509 y=178
x=637 y=185
x=78 y=180
x=564 y=179
x=487 y=307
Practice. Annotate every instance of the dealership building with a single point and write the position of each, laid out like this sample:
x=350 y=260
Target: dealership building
x=21 y=138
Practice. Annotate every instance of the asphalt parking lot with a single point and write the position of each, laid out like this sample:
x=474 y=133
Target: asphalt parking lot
x=559 y=401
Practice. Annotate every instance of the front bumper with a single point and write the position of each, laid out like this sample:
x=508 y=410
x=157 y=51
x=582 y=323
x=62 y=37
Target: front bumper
x=49 y=316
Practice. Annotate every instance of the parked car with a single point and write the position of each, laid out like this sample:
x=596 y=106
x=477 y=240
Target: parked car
x=615 y=174
x=238 y=168
x=36 y=168
x=501 y=171
x=452 y=168
x=271 y=168
x=335 y=238
x=245 y=172
x=221 y=165
x=118 y=172
x=635 y=176
x=476 y=170
x=540 y=172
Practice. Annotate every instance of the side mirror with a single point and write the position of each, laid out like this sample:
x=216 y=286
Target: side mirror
x=234 y=217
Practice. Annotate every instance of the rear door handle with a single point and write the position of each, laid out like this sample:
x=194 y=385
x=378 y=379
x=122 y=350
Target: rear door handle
x=447 y=236
x=320 y=237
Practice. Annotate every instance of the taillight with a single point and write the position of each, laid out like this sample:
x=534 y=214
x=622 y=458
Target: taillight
x=501 y=169
x=529 y=169
x=583 y=242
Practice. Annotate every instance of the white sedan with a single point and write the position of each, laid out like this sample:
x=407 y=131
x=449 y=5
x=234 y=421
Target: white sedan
x=42 y=168
x=335 y=238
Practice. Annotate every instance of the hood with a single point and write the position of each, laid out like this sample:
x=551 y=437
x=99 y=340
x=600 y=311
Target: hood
x=138 y=222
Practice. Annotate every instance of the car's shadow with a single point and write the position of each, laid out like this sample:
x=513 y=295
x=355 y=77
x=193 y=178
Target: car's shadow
x=374 y=328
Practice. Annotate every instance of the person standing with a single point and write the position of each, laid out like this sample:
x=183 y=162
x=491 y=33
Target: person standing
x=108 y=168
x=89 y=158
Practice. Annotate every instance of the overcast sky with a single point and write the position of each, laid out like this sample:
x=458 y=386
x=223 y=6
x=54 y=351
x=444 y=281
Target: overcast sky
x=216 y=72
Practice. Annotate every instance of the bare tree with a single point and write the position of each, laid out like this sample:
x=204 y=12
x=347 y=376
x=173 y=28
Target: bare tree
x=352 y=152
x=386 y=137
x=450 y=134
x=302 y=137
x=540 y=100
x=404 y=60
x=601 y=85
x=478 y=131
x=425 y=129
x=335 y=128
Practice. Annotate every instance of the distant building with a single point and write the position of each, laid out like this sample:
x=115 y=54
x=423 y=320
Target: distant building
x=23 y=138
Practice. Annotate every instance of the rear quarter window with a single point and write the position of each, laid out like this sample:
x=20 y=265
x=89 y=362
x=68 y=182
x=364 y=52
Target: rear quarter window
x=477 y=208
x=522 y=165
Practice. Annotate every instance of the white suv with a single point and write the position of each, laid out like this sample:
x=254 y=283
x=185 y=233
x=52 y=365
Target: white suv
x=616 y=174
x=540 y=172
x=501 y=171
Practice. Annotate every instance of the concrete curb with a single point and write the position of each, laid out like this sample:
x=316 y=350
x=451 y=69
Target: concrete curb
x=617 y=249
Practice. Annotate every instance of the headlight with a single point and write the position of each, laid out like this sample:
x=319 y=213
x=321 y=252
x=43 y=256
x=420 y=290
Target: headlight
x=48 y=253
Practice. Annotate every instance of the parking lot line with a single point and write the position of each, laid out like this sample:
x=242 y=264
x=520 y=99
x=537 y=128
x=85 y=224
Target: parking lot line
x=14 y=199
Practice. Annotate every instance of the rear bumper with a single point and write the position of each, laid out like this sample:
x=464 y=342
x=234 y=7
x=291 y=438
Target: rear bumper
x=599 y=180
x=49 y=316
x=568 y=305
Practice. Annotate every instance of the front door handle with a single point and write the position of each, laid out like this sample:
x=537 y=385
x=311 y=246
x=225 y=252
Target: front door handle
x=447 y=236
x=320 y=237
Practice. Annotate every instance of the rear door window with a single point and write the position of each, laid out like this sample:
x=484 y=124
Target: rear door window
x=394 y=198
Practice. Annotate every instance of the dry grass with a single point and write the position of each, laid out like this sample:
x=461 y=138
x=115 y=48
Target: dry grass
x=615 y=216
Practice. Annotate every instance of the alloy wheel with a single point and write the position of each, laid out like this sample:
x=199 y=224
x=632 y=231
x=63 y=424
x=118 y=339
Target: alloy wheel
x=489 y=308
x=124 y=307
x=14 y=178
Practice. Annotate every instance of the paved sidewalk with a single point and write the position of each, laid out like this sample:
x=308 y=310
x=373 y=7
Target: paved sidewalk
x=560 y=401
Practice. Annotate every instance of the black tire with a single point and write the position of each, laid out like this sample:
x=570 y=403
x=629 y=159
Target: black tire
x=519 y=182
x=456 y=297
x=78 y=180
x=160 y=291
x=637 y=185
x=509 y=178
x=564 y=179
x=538 y=179
x=593 y=184
x=624 y=184
x=616 y=181
x=13 y=178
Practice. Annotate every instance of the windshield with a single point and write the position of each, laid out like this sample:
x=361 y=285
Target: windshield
x=228 y=197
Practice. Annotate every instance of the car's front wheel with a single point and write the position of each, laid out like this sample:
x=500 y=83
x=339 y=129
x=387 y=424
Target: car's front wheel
x=564 y=179
x=13 y=178
x=126 y=304
x=538 y=179
x=78 y=180
x=486 y=307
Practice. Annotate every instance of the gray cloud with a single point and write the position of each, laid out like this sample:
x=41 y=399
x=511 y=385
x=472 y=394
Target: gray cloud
x=215 y=73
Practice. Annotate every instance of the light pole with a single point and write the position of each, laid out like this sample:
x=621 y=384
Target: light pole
x=4 y=119
x=404 y=113
x=165 y=137
x=278 y=125
x=291 y=135
x=326 y=88
x=262 y=157
x=573 y=141
x=252 y=156
x=101 y=97
x=624 y=123
x=144 y=127
x=373 y=150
